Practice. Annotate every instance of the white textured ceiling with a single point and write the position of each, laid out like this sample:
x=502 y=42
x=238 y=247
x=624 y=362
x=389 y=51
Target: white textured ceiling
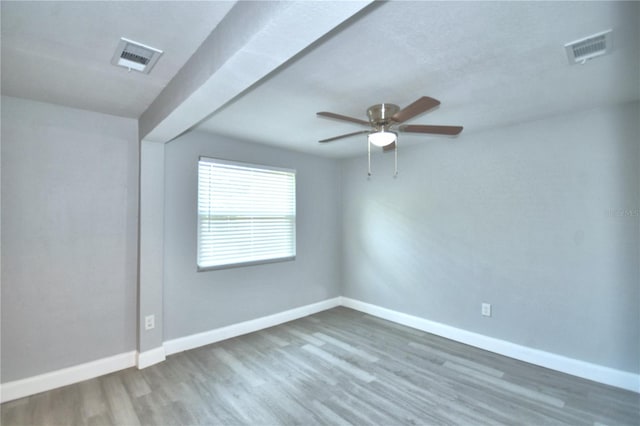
x=489 y=63
x=60 y=52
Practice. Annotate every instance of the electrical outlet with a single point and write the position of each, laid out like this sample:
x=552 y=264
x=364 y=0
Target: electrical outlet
x=149 y=322
x=486 y=309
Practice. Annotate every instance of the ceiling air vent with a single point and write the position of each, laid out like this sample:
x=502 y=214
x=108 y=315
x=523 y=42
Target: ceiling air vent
x=580 y=51
x=135 y=56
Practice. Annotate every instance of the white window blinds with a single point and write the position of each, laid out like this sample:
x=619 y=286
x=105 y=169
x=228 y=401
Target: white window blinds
x=246 y=214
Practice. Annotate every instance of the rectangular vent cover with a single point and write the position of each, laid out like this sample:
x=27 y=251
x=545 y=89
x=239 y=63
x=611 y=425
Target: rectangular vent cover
x=580 y=51
x=135 y=56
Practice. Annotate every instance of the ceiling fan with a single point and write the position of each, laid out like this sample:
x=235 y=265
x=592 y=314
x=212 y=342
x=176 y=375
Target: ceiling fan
x=385 y=121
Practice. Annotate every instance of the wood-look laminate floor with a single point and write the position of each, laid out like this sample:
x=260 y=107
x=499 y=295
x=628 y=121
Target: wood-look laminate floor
x=337 y=367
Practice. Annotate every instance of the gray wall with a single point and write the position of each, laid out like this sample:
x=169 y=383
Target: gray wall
x=151 y=244
x=201 y=301
x=519 y=217
x=69 y=236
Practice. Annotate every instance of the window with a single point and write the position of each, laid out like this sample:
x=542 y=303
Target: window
x=246 y=214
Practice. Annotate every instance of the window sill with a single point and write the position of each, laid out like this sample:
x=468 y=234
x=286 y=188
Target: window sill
x=243 y=264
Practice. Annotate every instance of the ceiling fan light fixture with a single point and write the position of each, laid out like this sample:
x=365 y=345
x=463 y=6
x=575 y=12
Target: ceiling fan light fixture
x=382 y=138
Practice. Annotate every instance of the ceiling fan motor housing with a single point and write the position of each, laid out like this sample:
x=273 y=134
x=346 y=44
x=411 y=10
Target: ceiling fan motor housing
x=380 y=115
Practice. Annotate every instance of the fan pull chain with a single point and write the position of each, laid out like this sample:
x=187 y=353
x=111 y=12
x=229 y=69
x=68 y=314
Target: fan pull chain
x=395 y=173
x=369 y=156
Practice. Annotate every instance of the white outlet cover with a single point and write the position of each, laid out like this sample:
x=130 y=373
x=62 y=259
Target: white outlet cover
x=486 y=309
x=149 y=322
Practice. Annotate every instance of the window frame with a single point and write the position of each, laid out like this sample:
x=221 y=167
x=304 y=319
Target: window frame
x=239 y=264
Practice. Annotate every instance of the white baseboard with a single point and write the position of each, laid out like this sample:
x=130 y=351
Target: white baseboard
x=148 y=358
x=66 y=376
x=586 y=370
x=205 y=338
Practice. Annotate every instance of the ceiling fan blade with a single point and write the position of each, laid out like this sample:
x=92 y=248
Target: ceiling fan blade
x=423 y=104
x=360 y=132
x=390 y=147
x=436 y=130
x=342 y=117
